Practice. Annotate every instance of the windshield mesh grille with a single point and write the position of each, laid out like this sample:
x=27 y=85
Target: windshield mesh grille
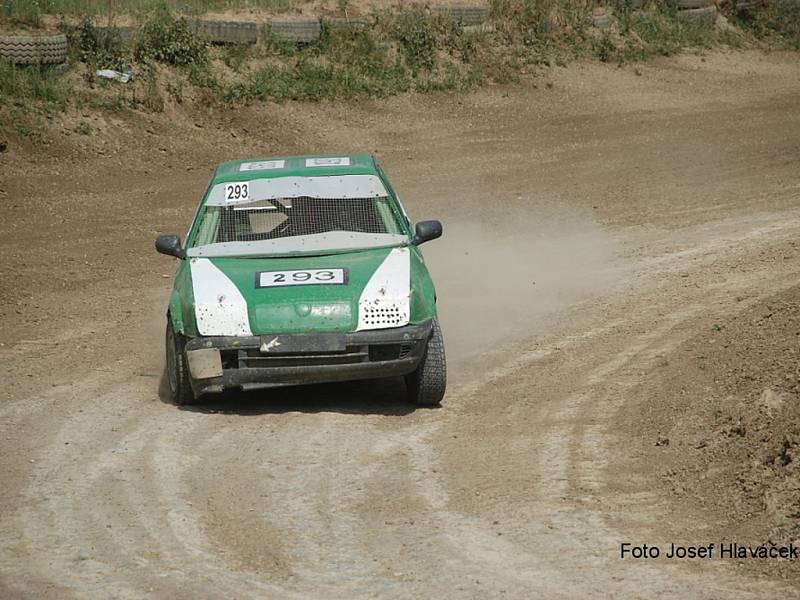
x=290 y=217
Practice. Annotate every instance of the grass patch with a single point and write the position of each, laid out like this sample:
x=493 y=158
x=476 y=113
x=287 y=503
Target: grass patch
x=779 y=23
x=82 y=128
x=28 y=97
x=33 y=86
x=31 y=11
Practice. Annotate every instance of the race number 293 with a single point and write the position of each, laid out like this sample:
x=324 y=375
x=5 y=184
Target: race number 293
x=301 y=277
x=237 y=192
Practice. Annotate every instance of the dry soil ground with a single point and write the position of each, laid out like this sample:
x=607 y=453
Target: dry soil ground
x=618 y=281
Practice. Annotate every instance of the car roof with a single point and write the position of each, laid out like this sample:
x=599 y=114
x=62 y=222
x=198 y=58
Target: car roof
x=295 y=166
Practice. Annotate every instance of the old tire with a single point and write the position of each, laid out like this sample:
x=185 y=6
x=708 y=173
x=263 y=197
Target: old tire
x=226 y=32
x=180 y=389
x=689 y=4
x=466 y=15
x=297 y=30
x=348 y=24
x=706 y=14
x=426 y=385
x=34 y=49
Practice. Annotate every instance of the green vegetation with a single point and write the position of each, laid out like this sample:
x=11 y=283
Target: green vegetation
x=778 y=22
x=166 y=39
x=82 y=128
x=31 y=11
x=95 y=47
x=656 y=33
x=405 y=50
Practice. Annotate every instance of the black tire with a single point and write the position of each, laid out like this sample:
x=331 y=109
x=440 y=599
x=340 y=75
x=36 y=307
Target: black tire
x=34 y=49
x=747 y=7
x=299 y=30
x=180 y=389
x=426 y=385
x=347 y=24
x=707 y=14
x=226 y=32
x=686 y=4
x=466 y=15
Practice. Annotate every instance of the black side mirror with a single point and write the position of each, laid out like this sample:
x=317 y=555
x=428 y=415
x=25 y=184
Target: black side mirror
x=170 y=245
x=426 y=231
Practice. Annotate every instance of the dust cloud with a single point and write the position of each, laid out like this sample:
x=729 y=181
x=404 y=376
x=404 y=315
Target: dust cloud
x=504 y=283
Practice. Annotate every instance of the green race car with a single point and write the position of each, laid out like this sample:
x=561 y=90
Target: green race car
x=300 y=270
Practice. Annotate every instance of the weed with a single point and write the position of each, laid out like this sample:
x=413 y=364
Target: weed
x=32 y=85
x=603 y=48
x=22 y=12
x=82 y=128
x=98 y=48
x=234 y=55
x=167 y=39
x=30 y=11
x=175 y=90
x=780 y=21
x=271 y=44
x=418 y=37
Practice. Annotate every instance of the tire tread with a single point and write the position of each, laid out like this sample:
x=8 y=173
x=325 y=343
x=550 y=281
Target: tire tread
x=426 y=386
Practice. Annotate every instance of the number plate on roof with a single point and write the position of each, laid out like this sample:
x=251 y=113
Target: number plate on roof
x=266 y=279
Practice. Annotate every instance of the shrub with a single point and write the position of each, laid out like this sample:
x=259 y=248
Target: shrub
x=97 y=48
x=418 y=37
x=163 y=38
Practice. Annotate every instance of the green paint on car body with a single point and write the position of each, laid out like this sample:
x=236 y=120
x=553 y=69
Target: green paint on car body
x=319 y=308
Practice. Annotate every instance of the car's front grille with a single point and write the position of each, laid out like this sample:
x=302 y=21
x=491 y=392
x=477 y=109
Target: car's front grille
x=378 y=352
x=249 y=359
x=253 y=358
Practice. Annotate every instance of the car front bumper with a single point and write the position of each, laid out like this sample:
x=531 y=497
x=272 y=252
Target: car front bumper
x=217 y=363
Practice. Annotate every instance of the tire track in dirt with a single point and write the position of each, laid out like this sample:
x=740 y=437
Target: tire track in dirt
x=331 y=533
x=344 y=491
x=574 y=441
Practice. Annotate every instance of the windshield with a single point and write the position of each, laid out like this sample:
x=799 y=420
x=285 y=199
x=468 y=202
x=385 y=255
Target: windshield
x=296 y=225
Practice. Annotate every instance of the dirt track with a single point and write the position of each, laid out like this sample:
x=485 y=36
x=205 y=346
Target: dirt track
x=591 y=228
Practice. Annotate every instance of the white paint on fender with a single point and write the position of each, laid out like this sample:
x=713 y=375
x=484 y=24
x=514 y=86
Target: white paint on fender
x=219 y=306
x=385 y=300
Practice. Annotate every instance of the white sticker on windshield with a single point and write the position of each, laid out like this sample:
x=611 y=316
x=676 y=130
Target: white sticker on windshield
x=237 y=192
x=339 y=161
x=264 y=165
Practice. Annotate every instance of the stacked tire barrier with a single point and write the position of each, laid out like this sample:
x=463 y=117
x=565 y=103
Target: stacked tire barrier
x=348 y=24
x=464 y=14
x=300 y=31
x=697 y=10
x=687 y=10
x=52 y=49
x=34 y=49
x=226 y=32
x=25 y=50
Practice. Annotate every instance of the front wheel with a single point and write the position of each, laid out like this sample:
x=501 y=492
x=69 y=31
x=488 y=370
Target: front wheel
x=180 y=390
x=427 y=384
